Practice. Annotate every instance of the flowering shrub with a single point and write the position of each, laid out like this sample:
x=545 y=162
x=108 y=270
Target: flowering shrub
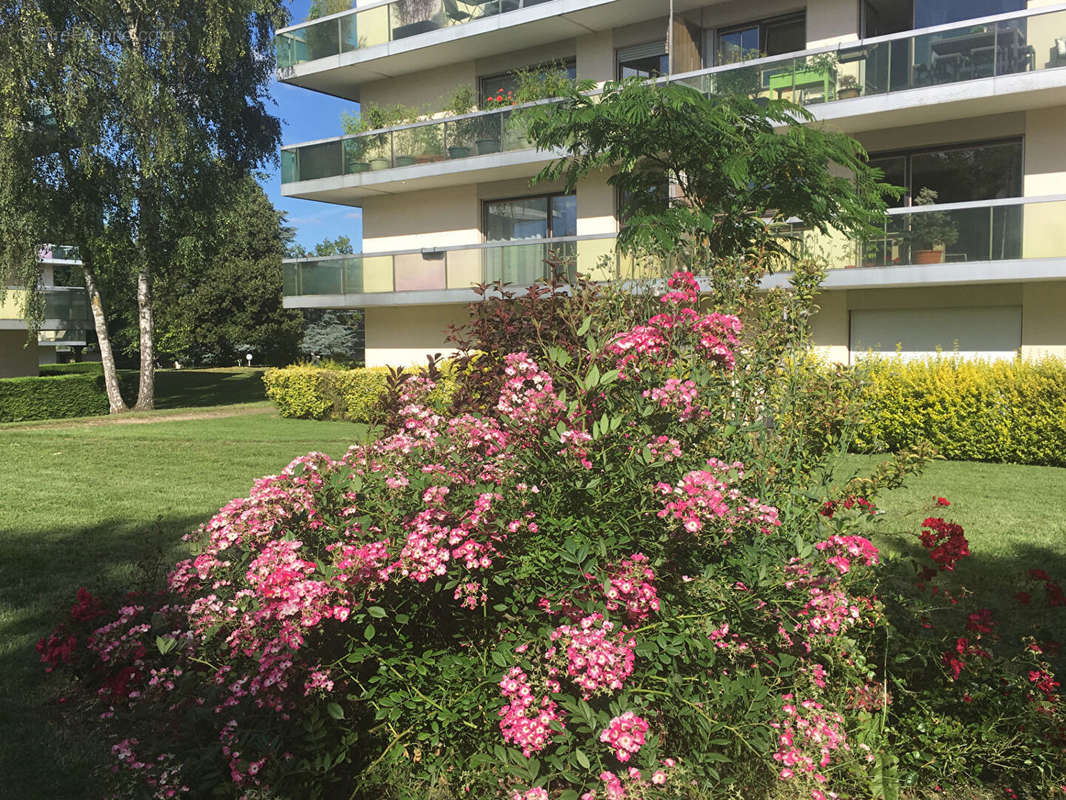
x=581 y=592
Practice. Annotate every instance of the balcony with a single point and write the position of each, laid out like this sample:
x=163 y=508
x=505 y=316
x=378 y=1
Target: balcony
x=1013 y=239
x=421 y=155
x=415 y=277
x=66 y=308
x=979 y=66
x=336 y=54
x=1007 y=62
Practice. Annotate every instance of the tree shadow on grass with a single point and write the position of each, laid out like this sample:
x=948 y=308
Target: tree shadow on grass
x=50 y=741
x=202 y=388
x=994 y=580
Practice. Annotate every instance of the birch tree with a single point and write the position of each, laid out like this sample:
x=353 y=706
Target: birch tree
x=121 y=120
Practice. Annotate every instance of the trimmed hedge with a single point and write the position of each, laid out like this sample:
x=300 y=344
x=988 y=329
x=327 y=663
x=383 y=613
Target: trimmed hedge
x=1006 y=411
x=56 y=396
x=76 y=368
x=353 y=394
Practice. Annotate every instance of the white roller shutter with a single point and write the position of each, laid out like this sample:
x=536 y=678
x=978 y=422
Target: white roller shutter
x=985 y=332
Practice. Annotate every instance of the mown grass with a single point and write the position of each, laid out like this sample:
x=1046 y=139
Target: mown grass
x=87 y=506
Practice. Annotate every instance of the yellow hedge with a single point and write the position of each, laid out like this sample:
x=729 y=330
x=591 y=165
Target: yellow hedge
x=309 y=392
x=1008 y=411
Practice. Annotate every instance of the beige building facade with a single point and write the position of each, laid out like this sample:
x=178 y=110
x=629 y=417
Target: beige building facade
x=962 y=98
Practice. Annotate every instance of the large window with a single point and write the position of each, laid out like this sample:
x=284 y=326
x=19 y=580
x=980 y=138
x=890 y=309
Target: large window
x=643 y=60
x=527 y=219
x=892 y=16
x=958 y=174
x=770 y=37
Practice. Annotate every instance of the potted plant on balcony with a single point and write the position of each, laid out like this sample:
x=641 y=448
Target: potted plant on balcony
x=415 y=17
x=428 y=143
x=355 y=155
x=931 y=232
x=847 y=87
x=460 y=134
x=488 y=127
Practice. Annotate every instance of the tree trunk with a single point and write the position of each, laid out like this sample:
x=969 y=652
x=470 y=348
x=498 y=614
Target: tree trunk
x=114 y=396
x=146 y=389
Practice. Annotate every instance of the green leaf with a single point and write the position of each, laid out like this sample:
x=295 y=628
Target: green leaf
x=165 y=644
x=376 y=611
x=335 y=711
x=368 y=632
x=582 y=759
x=586 y=323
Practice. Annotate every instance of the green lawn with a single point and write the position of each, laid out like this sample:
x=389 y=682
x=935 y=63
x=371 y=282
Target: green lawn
x=81 y=506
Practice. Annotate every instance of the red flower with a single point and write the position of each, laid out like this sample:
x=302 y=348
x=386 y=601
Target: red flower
x=1039 y=575
x=1055 y=597
x=980 y=621
x=944 y=541
x=1023 y=597
x=942 y=501
x=954 y=663
x=87 y=607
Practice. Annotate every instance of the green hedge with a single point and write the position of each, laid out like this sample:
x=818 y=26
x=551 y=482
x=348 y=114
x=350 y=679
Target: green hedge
x=1005 y=411
x=56 y=397
x=79 y=368
x=352 y=394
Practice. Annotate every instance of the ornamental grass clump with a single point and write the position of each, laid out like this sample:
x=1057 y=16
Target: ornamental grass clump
x=622 y=579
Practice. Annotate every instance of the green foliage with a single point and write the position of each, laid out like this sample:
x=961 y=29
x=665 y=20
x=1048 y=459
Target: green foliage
x=336 y=334
x=1011 y=411
x=56 y=396
x=739 y=165
x=356 y=395
x=224 y=300
x=75 y=368
x=120 y=129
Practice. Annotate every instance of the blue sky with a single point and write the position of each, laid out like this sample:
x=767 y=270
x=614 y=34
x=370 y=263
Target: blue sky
x=307 y=115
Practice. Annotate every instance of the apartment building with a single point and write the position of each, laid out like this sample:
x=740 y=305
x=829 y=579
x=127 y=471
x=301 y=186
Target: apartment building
x=962 y=102
x=67 y=318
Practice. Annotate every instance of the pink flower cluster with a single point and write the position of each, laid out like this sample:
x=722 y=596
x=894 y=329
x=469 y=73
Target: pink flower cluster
x=526 y=721
x=594 y=659
x=714 y=335
x=842 y=549
x=829 y=611
x=665 y=447
x=528 y=395
x=709 y=494
x=625 y=735
x=808 y=737
x=680 y=397
x=630 y=785
x=630 y=585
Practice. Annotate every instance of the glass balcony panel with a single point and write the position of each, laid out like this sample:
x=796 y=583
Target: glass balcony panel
x=322 y=277
x=415 y=272
x=527 y=263
x=320 y=160
x=69 y=306
x=378 y=273
x=290 y=169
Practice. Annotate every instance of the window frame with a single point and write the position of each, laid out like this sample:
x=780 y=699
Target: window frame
x=665 y=54
x=549 y=196
x=761 y=24
x=908 y=153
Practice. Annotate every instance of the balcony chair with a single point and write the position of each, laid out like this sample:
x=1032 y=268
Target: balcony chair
x=983 y=62
x=453 y=12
